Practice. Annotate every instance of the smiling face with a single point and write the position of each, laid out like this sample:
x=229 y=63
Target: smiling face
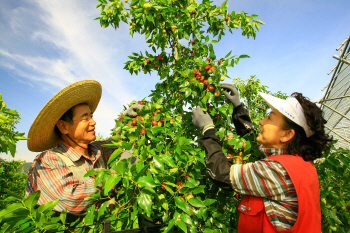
x=272 y=134
x=82 y=131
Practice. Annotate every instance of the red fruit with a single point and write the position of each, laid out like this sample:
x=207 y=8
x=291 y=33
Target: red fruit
x=154 y=123
x=229 y=155
x=262 y=108
x=202 y=79
x=226 y=19
x=208 y=58
x=244 y=161
x=179 y=182
x=163 y=82
x=207 y=68
x=219 y=62
x=143 y=131
x=168 y=29
x=193 y=42
x=158 y=110
x=229 y=15
x=162 y=120
x=175 y=42
x=244 y=145
x=171 y=121
x=147 y=61
x=192 y=55
x=174 y=29
x=195 y=71
x=162 y=187
x=240 y=153
x=143 y=65
x=216 y=118
x=237 y=196
x=140 y=102
x=210 y=87
x=134 y=122
x=206 y=82
x=155 y=113
x=159 y=123
x=199 y=73
x=187 y=176
x=200 y=68
x=193 y=12
x=217 y=93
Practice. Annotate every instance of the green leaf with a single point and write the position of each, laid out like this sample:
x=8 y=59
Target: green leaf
x=199 y=189
x=111 y=183
x=126 y=146
x=147 y=181
x=181 y=224
x=114 y=155
x=10 y=209
x=168 y=160
x=90 y=173
x=145 y=202
x=158 y=162
x=122 y=166
x=196 y=202
x=230 y=109
x=44 y=208
x=89 y=218
x=32 y=199
x=208 y=202
x=102 y=209
x=63 y=216
x=182 y=205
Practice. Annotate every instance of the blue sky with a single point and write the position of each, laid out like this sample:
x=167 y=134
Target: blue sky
x=47 y=45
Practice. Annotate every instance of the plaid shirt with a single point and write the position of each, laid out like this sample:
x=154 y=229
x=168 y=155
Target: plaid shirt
x=267 y=178
x=50 y=175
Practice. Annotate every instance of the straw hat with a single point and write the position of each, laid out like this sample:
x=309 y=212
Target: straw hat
x=41 y=134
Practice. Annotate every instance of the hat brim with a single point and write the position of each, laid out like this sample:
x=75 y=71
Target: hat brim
x=272 y=101
x=41 y=134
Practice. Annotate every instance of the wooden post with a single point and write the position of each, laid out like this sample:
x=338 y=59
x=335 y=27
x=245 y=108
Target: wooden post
x=106 y=226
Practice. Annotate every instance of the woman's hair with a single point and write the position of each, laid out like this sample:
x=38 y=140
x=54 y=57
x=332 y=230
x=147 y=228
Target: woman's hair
x=312 y=147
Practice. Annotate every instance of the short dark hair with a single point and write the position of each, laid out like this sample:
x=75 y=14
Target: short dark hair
x=310 y=148
x=67 y=117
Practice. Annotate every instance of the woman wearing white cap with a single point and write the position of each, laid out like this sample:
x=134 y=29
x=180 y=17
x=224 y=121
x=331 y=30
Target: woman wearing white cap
x=282 y=190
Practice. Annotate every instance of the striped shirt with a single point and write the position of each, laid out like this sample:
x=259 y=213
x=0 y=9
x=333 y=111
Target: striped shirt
x=50 y=175
x=267 y=178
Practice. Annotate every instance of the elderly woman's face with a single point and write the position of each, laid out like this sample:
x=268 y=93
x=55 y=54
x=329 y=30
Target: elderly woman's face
x=271 y=130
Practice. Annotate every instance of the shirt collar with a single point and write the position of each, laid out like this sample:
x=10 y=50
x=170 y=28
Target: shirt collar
x=75 y=155
x=272 y=151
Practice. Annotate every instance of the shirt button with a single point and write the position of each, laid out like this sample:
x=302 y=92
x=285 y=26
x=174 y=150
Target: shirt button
x=248 y=208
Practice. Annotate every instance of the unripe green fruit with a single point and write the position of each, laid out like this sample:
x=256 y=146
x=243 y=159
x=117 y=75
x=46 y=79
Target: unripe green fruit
x=147 y=6
x=151 y=44
x=222 y=78
x=126 y=13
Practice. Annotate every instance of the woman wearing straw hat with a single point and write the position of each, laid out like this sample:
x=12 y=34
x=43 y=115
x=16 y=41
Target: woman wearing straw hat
x=64 y=131
x=282 y=190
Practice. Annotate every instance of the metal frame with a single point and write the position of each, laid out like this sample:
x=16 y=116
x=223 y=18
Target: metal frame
x=336 y=101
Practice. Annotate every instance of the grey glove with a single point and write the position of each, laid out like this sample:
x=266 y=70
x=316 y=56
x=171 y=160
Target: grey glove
x=233 y=97
x=131 y=112
x=201 y=120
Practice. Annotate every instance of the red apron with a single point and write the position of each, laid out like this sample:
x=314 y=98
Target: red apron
x=253 y=218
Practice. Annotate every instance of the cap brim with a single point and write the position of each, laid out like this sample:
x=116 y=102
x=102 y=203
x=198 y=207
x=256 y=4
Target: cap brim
x=41 y=134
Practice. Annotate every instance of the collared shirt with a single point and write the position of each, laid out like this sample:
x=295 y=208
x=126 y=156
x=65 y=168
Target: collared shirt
x=267 y=178
x=50 y=175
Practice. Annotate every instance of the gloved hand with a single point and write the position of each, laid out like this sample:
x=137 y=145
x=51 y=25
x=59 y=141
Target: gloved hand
x=131 y=112
x=201 y=120
x=233 y=97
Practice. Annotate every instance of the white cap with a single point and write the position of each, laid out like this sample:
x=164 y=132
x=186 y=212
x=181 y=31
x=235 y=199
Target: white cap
x=290 y=108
